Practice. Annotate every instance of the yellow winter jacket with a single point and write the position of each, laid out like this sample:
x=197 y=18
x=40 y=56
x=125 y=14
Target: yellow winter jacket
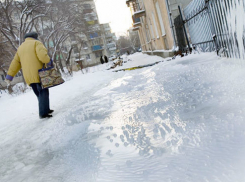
x=30 y=56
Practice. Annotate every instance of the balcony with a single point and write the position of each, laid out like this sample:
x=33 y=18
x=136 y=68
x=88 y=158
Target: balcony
x=112 y=49
x=94 y=22
x=86 y=11
x=87 y=6
x=129 y=1
x=111 y=45
x=107 y=29
x=94 y=28
x=97 y=48
x=139 y=13
x=137 y=24
x=136 y=28
x=90 y=17
x=94 y=35
x=109 y=35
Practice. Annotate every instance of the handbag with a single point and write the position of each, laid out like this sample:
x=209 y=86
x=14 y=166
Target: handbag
x=50 y=77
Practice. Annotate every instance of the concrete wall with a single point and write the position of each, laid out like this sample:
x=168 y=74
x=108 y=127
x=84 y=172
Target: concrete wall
x=161 y=54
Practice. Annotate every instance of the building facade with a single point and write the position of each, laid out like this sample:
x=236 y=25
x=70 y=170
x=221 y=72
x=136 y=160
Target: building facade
x=109 y=39
x=93 y=39
x=154 y=22
x=89 y=43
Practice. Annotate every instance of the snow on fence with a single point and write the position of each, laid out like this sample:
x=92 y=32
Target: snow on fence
x=217 y=25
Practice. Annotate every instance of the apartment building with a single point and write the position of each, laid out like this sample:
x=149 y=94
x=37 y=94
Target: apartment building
x=110 y=40
x=151 y=21
x=93 y=40
x=89 y=43
x=154 y=21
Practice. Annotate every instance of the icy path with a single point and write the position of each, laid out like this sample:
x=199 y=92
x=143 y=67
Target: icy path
x=181 y=120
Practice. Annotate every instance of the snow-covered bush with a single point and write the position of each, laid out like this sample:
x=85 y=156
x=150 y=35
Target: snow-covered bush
x=20 y=88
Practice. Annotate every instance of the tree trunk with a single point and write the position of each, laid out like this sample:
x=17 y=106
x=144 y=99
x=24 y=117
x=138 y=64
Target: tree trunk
x=61 y=66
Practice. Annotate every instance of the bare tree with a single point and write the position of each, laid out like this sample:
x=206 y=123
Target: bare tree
x=53 y=20
x=134 y=40
x=5 y=55
x=124 y=44
x=18 y=17
x=63 y=21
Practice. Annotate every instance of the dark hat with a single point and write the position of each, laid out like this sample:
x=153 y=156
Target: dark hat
x=31 y=35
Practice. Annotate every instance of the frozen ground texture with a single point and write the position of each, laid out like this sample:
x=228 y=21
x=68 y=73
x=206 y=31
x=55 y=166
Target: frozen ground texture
x=176 y=121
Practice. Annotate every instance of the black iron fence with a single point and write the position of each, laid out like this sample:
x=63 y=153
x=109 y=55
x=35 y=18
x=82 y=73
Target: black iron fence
x=216 y=25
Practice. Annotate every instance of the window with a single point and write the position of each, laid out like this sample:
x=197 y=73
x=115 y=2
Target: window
x=51 y=44
x=94 y=35
x=85 y=44
x=160 y=18
x=75 y=49
x=16 y=15
x=155 y=25
x=88 y=56
x=87 y=6
x=98 y=54
x=96 y=42
x=73 y=38
x=65 y=48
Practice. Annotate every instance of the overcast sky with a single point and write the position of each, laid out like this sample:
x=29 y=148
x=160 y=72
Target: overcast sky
x=116 y=13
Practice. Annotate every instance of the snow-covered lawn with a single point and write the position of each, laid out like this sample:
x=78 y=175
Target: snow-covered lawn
x=177 y=121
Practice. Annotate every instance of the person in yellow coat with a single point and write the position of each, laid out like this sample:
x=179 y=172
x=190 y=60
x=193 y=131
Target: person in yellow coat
x=30 y=56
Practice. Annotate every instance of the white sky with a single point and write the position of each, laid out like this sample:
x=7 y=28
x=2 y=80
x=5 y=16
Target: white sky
x=116 y=13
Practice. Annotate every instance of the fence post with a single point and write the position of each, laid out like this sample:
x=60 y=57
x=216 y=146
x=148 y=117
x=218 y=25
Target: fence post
x=183 y=24
x=212 y=26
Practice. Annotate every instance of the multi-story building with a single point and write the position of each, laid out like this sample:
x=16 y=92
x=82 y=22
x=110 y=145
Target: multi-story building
x=88 y=44
x=155 y=24
x=109 y=39
x=95 y=40
x=151 y=21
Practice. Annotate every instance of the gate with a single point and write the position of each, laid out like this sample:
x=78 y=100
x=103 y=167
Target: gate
x=217 y=25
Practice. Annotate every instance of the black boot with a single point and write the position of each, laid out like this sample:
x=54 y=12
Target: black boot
x=45 y=116
x=51 y=111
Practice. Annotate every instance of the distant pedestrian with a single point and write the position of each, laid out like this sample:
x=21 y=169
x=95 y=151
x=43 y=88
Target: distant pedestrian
x=30 y=56
x=101 y=60
x=106 y=59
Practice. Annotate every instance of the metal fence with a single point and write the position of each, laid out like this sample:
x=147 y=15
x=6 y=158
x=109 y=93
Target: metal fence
x=217 y=25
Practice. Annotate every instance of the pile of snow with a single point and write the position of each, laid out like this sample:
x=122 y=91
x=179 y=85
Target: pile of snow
x=138 y=59
x=179 y=120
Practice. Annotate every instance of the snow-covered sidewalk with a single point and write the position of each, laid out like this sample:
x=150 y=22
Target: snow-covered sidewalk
x=179 y=120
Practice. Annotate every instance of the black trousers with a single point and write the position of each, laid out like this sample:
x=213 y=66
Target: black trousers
x=43 y=98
